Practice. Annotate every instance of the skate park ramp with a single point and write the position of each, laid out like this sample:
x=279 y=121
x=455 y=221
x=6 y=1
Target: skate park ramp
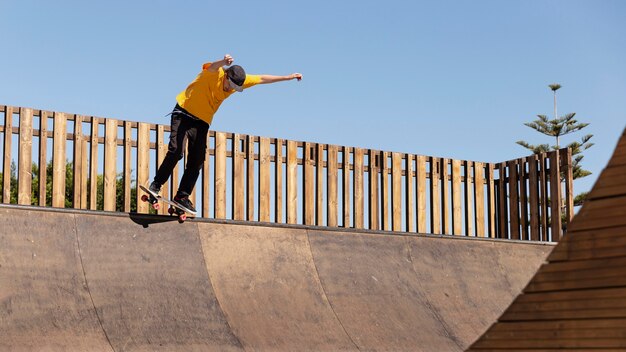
x=93 y=281
x=577 y=300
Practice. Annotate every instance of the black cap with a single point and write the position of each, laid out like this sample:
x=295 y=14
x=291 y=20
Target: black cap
x=236 y=74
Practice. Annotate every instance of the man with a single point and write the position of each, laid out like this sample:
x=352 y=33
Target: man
x=193 y=115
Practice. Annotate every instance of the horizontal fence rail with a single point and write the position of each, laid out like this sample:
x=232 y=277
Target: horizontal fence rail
x=86 y=162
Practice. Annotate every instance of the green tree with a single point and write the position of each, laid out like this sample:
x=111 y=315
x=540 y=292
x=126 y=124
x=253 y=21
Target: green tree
x=557 y=128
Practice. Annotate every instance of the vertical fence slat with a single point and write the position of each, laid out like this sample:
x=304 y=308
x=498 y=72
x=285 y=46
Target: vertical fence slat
x=220 y=175
x=309 y=182
x=264 y=179
x=491 y=195
x=384 y=184
x=319 y=184
x=78 y=161
x=206 y=178
x=566 y=161
x=523 y=198
x=513 y=199
x=421 y=193
x=435 y=194
x=373 y=189
x=238 y=179
x=128 y=145
x=161 y=146
x=543 y=189
x=457 y=224
x=292 y=182
x=43 y=158
x=479 y=184
x=25 y=157
x=534 y=198
x=396 y=191
x=110 y=160
x=555 y=196
x=445 y=203
x=469 y=199
x=502 y=202
x=250 y=178
x=359 y=200
x=143 y=162
x=278 y=182
x=6 y=162
x=346 y=186
x=58 y=160
x=93 y=167
x=333 y=206
x=410 y=194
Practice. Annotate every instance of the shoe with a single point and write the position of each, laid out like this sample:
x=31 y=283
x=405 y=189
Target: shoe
x=155 y=187
x=185 y=202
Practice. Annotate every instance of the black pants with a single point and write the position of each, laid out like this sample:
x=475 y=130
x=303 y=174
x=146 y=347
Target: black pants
x=184 y=127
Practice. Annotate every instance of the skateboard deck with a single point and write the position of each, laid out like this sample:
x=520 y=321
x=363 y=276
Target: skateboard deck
x=174 y=208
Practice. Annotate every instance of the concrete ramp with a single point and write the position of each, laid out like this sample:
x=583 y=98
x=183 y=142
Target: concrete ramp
x=93 y=281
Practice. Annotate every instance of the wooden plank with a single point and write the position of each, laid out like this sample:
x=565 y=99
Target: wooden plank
x=435 y=194
x=93 y=169
x=410 y=194
x=359 y=200
x=292 y=182
x=110 y=161
x=373 y=189
x=264 y=179
x=555 y=196
x=566 y=161
x=601 y=214
x=384 y=183
x=161 y=149
x=220 y=175
x=533 y=189
x=587 y=244
x=479 y=184
x=85 y=172
x=238 y=178
x=319 y=184
x=345 y=167
x=43 y=158
x=421 y=193
x=143 y=162
x=6 y=162
x=25 y=157
x=543 y=192
x=396 y=191
x=446 y=210
x=469 y=198
x=491 y=202
x=514 y=200
x=206 y=178
x=250 y=156
x=503 y=225
x=308 y=206
x=332 y=187
x=610 y=183
x=523 y=198
x=78 y=162
x=128 y=146
x=457 y=209
x=278 y=182
x=59 y=161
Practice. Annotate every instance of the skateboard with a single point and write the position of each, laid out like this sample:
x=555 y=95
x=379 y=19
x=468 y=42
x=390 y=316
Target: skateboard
x=174 y=209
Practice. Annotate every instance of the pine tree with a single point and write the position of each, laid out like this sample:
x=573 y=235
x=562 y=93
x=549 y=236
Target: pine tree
x=558 y=127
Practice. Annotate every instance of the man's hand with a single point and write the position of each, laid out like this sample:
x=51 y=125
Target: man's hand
x=228 y=60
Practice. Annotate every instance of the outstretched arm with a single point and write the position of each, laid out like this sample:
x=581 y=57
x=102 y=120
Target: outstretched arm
x=273 y=79
x=214 y=66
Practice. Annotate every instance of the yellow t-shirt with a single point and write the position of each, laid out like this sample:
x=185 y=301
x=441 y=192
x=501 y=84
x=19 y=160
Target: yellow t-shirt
x=206 y=93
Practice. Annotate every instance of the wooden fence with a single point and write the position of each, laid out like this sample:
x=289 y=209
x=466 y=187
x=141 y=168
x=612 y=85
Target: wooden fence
x=275 y=180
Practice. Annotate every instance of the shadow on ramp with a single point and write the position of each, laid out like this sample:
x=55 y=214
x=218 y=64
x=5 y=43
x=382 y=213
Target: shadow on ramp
x=146 y=220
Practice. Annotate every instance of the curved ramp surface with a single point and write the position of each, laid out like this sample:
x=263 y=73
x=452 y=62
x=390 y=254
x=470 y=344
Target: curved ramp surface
x=577 y=300
x=93 y=281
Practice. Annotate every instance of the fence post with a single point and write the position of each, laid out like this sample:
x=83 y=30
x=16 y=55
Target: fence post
x=555 y=196
x=25 y=157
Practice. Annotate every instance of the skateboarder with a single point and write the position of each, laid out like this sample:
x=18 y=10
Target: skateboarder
x=192 y=116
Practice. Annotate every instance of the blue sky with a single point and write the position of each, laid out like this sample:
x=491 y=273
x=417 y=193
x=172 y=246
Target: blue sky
x=446 y=78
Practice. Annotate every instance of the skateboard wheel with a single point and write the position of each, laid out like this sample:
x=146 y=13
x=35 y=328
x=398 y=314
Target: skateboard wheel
x=171 y=211
x=183 y=217
x=156 y=206
x=144 y=198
